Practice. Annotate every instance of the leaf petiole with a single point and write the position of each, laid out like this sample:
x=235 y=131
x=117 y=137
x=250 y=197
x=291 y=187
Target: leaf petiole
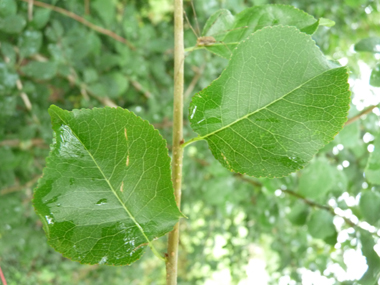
x=156 y=253
x=199 y=138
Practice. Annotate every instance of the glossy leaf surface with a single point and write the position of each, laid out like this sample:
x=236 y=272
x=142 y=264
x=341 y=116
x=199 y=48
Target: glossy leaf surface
x=106 y=191
x=229 y=31
x=276 y=104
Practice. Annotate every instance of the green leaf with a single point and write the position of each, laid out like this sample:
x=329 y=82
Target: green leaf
x=81 y=43
x=106 y=10
x=13 y=24
x=250 y=20
x=299 y=213
x=321 y=224
x=90 y=75
x=54 y=31
x=355 y=3
x=369 y=44
x=8 y=8
x=218 y=23
x=276 y=104
x=30 y=43
x=374 y=80
x=370 y=206
x=317 y=179
x=42 y=70
x=41 y=17
x=112 y=85
x=106 y=192
x=8 y=78
x=8 y=52
x=349 y=136
x=372 y=274
x=326 y=22
x=372 y=170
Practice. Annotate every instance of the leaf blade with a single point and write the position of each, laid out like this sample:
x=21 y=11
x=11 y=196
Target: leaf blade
x=113 y=177
x=277 y=68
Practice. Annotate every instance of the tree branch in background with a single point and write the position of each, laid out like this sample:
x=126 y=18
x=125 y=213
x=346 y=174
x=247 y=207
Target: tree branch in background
x=87 y=7
x=26 y=101
x=194 y=81
x=85 y=22
x=140 y=88
x=37 y=142
x=30 y=10
x=17 y=188
x=311 y=203
x=362 y=113
x=23 y=95
x=74 y=80
x=84 y=90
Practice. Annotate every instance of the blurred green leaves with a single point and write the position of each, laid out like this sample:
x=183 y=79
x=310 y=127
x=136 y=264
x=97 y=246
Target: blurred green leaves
x=12 y=24
x=40 y=70
x=317 y=179
x=372 y=274
x=8 y=8
x=320 y=224
x=372 y=171
x=369 y=206
x=369 y=45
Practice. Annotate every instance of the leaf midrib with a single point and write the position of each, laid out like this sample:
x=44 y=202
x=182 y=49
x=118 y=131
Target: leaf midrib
x=266 y=106
x=109 y=184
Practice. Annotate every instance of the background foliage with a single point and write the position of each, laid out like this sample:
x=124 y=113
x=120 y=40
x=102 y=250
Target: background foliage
x=306 y=221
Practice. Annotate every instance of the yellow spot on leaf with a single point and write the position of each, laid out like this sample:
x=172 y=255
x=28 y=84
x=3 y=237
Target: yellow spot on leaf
x=125 y=134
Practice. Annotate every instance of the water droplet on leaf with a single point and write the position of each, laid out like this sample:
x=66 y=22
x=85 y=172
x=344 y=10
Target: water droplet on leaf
x=101 y=202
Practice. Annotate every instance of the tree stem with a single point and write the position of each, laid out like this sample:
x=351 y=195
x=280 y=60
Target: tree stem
x=179 y=57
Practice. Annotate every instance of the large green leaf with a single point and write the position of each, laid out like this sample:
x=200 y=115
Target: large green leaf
x=372 y=170
x=276 y=104
x=229 y=31
x=106 y=192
